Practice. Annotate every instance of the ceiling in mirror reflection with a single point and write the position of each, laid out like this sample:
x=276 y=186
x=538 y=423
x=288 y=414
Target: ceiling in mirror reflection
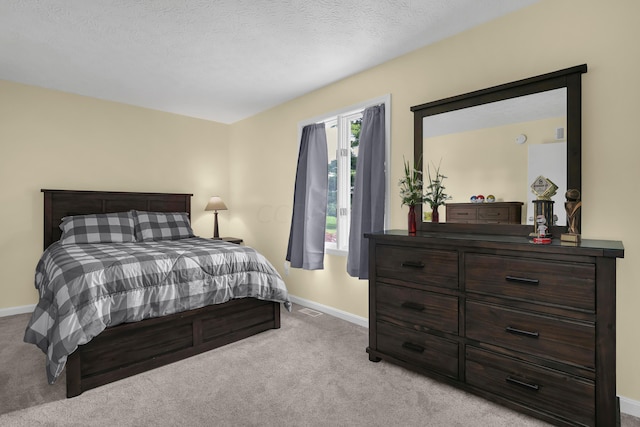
x=537 y=106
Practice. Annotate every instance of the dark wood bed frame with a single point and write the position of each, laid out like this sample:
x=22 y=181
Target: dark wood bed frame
x=131 y=348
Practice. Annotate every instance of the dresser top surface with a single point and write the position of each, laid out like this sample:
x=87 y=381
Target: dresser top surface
x=589 y=247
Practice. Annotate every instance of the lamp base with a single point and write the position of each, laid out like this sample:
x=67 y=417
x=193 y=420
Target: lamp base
x=216 y=233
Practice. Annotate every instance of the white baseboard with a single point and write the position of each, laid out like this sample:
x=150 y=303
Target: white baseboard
x=17 y=310
x=629 y=406
x=358 y=320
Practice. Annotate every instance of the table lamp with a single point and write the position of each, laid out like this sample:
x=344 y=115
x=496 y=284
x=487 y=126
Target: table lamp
x=215 y=204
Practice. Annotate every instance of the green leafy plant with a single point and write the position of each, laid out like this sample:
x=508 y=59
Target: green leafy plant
x=411 y=185
x=434 y=193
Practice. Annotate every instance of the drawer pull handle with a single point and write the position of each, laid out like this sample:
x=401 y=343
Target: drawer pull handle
x=524 y=384
x=412 y=306
x=523 y=280
x=413 y=264
x=413 y=347
x=522 y=332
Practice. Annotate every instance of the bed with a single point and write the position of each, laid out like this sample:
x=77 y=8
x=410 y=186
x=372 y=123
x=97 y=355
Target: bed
x=124 y=349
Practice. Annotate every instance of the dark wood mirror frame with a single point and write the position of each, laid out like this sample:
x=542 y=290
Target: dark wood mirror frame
x=569 y=78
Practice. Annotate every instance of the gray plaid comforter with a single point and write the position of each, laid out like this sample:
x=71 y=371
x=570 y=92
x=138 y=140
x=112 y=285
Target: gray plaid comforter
x=86 y=288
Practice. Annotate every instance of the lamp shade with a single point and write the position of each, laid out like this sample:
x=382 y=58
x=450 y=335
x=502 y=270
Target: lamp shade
x=215 y=204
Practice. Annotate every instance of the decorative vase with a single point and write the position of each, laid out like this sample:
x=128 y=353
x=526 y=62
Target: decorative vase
x=412 y=219
x=434 y=214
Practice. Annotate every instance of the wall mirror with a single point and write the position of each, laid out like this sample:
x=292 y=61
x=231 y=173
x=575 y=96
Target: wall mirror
x=497 y=141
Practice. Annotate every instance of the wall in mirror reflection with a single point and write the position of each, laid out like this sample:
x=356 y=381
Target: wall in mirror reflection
x=490 y=161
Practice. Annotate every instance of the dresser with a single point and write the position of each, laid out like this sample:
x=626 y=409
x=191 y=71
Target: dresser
x=484 y=213
x=531 y=327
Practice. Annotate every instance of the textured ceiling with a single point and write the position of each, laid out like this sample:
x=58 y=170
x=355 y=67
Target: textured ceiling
x=221 y=60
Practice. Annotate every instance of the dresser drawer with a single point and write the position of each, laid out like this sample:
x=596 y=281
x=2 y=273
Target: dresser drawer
x=544 y=336
x=550 y=390
x=426 y=309
x=568 y=284
x=424 y=350
x=426 y=266
x=485 y=213
x=494 y=215
x=461 y=214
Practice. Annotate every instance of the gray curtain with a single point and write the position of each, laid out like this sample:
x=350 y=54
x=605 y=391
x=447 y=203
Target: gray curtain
x=306 y=238
x=367 y=205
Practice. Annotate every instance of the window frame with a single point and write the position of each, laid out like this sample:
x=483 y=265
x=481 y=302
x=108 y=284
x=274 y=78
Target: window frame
x=341 y=248
x=343 y=166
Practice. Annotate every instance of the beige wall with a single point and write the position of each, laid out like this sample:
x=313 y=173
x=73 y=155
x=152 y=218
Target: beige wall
x=488 y=161
x=50 y=139
x=548 y=36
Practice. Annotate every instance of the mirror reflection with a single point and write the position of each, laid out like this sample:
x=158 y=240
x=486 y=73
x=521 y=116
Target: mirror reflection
x=499 y=149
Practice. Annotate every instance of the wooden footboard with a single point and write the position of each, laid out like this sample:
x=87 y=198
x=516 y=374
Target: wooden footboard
x=131 y=348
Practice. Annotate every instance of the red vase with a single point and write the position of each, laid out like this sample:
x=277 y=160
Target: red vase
x=412 y=219
x=435 y=217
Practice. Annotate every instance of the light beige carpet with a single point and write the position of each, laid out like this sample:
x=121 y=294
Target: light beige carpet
x=314 y=371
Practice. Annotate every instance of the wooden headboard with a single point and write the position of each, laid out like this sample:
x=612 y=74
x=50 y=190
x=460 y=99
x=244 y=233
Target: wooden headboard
x=61 y=203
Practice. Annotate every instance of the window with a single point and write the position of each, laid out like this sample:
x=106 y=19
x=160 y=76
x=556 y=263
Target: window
x=343 y=138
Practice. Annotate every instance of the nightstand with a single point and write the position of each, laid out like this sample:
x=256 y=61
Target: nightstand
x=235 y=240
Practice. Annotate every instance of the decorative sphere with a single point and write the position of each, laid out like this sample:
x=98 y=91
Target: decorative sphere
x=480 y=198
x=572 y=195
x=491 y=198
x=473 y=199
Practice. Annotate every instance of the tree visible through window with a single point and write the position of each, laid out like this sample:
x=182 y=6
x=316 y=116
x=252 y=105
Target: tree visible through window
x=343 y=140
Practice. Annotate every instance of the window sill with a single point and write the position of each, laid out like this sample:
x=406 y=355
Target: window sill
x=338 y=252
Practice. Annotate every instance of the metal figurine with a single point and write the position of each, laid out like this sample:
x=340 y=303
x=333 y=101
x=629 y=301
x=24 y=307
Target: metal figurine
x=572 y=206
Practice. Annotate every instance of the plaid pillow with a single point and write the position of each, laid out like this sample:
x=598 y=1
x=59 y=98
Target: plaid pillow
x=97 y=228
x=162 y=226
